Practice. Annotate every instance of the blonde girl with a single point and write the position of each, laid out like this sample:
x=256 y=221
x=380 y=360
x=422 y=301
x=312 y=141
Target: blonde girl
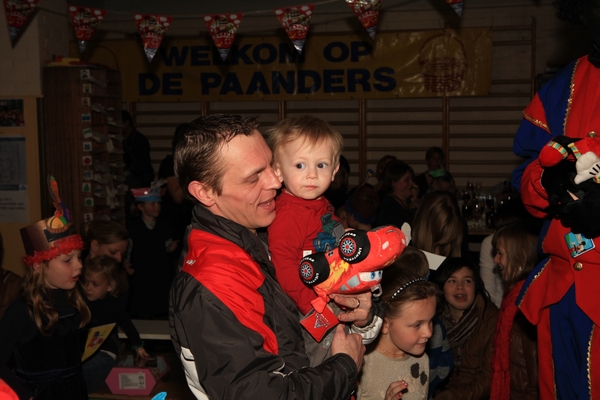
x=396 y=365
x=41 y=328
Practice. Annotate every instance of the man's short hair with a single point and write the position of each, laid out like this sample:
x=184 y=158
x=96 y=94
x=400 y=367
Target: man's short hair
x=314 y=131
x=197 y=154
x=126 y=117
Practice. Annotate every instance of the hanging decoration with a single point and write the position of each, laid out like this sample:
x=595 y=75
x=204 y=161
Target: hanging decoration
x=85 y=20
x=296 y=21
x=222 y=28
x=457 y=6
x=152 y=29
x=17 y=14
x=367 y=12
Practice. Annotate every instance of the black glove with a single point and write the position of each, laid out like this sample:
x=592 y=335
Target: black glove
x=558 y=181
x=583 y=216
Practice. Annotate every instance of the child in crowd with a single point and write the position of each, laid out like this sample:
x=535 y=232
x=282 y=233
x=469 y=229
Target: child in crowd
x=152 y=242
x=306 y=152
x=438 y=347
x=396 y=365
x=41 y=328
x=470 y=319
x=100 y=282
x=514 y=359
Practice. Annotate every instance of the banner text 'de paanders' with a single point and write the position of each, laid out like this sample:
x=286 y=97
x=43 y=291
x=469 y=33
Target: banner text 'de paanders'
x=407 y=64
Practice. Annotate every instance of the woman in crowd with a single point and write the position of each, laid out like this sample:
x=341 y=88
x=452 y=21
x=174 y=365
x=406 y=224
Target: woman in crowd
x=514 y=359
x=438 y=227
x=109 y=238
x=395 y=207
x=105 y=238
x=470 y=319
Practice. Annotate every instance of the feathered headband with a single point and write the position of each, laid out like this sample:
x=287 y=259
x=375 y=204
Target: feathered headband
x=51 y=237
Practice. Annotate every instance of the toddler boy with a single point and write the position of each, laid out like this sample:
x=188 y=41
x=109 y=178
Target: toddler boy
x=306 y=153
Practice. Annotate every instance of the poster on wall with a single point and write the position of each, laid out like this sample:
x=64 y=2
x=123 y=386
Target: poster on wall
x=11 y=112
x=14 y=205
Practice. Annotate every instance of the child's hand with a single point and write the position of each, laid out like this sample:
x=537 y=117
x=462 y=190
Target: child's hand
x=142 y=355
x=396 y=390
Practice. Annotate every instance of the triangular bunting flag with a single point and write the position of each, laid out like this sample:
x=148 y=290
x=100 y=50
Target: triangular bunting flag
x=367 y=12
x=152 y=29
x=457 y=6
x=85 y=20
x=296 y=21
x=222 y=28
x=17 y=13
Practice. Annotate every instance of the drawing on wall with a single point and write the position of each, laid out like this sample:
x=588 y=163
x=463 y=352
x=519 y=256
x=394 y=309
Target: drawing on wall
x=11 y=112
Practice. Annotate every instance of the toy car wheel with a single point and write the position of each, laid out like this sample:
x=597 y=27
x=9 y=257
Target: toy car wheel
x=314 y=269
x=354 y=246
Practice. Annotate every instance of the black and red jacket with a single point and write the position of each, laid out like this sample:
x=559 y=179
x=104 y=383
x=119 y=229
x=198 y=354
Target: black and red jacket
x=237 y=333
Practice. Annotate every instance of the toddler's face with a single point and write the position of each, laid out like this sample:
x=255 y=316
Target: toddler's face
x=96 y=286
x=306 y=169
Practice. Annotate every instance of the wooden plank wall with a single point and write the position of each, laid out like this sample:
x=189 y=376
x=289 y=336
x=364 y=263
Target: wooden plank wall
x=475 y=132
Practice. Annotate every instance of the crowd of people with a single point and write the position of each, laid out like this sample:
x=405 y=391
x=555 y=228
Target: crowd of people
x=237 y=286
x=214 y=244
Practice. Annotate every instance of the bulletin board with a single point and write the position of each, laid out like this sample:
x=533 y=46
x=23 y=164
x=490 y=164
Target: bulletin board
x=18 y=134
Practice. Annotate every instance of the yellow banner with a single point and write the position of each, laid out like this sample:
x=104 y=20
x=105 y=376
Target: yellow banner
x=402 y=64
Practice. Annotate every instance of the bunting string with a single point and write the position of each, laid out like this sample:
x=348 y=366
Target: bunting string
x=152 y=28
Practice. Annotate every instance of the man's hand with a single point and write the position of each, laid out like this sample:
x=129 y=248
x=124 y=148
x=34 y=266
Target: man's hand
x=350 y=344
x=357 y=308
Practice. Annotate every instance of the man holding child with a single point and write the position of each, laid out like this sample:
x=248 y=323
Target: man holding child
x=237 y=333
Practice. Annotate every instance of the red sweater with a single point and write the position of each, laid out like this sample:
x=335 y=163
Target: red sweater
x=302 y=227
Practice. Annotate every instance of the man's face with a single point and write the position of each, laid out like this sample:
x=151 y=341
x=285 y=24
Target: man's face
x=249 y=183
x=434 y=162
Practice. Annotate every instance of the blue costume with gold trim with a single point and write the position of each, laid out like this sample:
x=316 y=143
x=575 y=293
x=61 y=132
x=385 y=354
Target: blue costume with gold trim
x=560 y=295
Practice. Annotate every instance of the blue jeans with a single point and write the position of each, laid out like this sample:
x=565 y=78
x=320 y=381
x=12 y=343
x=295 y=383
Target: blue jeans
x=96 y=370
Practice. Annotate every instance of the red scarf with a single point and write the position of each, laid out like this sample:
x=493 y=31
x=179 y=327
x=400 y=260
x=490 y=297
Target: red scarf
x=500 y=389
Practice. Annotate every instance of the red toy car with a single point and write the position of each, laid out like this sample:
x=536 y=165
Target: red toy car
x=354 y=266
